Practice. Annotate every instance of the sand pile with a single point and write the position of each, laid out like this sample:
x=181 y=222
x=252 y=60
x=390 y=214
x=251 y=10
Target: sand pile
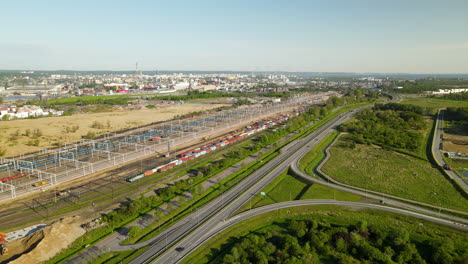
x=45 y=243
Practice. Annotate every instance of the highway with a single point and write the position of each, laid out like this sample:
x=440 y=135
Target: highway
x=186 y=233
x=436 y=152
x=290 y=155
x=222 y=207
x=199 y=237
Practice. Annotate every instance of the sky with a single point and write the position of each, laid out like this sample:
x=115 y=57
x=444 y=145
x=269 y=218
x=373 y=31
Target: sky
x=397 y=36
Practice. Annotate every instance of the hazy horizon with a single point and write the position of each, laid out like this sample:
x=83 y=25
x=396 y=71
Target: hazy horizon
x=398 y=37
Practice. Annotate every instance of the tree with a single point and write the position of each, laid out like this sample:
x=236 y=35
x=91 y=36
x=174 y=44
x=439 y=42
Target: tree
x=298 y=228
x=235 y=253
x=133 y=231
x=362 y=226
x=441 y=250
x=90 y=135
x=341 y=245
x=399 y=236
x=229 y=259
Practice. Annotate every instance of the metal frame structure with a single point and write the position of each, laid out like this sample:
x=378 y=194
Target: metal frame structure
x=88 y=156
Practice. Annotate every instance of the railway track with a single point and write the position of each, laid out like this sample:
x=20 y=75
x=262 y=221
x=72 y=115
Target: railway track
x=36 y=208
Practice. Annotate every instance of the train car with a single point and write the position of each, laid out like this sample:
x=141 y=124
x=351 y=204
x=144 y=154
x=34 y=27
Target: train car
x=184 y=159
x=157 y=168
x=148 y=173
x=37 y=184
x=166 y=167
x=135 y=178
x=154 y=138
x=13 y=177
x=183 y=154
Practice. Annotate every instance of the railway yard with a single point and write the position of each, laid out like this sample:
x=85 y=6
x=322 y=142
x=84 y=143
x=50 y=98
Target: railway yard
x=93 y=169
x=94 y=178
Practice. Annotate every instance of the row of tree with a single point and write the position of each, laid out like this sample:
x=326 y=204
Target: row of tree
x=431 y=84
x=454 y=96
x=311 y=241
x=457 y=114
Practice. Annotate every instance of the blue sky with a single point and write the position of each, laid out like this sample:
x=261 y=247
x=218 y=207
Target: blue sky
x=257 y=35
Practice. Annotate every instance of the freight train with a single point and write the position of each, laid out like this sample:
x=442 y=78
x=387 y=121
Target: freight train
x=195 y=153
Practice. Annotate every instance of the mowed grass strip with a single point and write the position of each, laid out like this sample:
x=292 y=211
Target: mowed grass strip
x=316 y=154
x=286 y=187
x=393 y=173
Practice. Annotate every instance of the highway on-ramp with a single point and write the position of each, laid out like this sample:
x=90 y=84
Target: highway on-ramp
x=169 y=244
x=201 y=236
x=228 y=203
x=290 y=155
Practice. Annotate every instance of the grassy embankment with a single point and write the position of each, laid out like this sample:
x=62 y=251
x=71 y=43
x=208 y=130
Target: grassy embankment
x=407 y=174
x=393 y=173
x=419 y=230
x=287 y=187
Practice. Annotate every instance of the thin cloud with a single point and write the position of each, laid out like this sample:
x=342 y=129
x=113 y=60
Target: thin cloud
x=450 y=47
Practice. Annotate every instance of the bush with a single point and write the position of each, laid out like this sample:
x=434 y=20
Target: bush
x=90 y=135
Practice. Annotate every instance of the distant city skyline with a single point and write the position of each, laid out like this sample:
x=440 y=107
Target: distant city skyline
x=296 y=36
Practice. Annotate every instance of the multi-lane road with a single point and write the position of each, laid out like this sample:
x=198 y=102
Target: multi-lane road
x=290 y=155
x=199 y=237
x=171 y=245
x=228 y=203
x=436 y=152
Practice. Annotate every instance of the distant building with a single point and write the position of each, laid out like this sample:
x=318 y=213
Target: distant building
x=26 y=111
x=448 y=91
x=181 y=85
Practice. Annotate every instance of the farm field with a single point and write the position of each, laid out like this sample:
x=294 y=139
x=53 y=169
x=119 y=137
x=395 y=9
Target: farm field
x=64 y=129
x=393 y=173
x=455 y=137
x=455 y=143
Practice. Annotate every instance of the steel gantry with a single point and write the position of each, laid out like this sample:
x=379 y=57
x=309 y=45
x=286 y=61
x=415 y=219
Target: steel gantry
x=87 y=156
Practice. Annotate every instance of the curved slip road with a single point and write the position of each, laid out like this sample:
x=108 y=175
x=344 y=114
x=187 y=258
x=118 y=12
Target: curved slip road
x=202 y=235
x=228 y=203
x=294 y=154
x=208 y=217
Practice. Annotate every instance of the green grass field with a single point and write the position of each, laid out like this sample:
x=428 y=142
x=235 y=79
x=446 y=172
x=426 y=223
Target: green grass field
x=393 y=173
x=316 y=154
x=419 y=230
x=433 y=103
x=286 y=187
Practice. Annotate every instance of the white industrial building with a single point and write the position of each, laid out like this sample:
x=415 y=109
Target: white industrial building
x=26 y=111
